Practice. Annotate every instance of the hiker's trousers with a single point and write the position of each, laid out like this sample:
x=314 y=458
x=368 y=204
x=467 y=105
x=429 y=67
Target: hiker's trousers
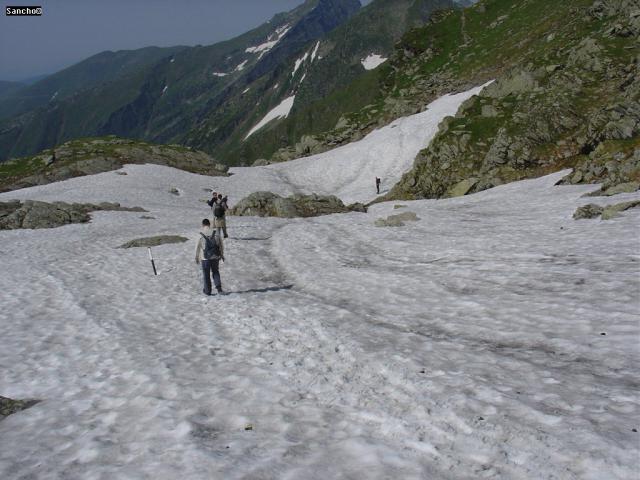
x=209 y=269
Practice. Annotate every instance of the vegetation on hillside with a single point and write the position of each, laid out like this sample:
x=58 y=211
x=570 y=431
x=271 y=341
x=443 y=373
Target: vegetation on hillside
x=88 y=156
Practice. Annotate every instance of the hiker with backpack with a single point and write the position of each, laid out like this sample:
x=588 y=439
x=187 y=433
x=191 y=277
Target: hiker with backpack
x=219 y=207
x=209 y=252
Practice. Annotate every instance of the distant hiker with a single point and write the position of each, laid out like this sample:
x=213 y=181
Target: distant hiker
x=219 y=213
x=214 y=199
x=209 y=252
x=378 y=185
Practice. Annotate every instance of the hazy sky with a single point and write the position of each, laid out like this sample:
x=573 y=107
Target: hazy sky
x=71 y=30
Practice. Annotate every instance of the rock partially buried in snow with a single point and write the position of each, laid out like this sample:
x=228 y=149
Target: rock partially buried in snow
x=628 y=187
x=32 y=214
x=267 y=204
x=9 y=406
x=397 y=220
x=587 y=211
x=462 y=188
x=612 y=211
x=153 y=241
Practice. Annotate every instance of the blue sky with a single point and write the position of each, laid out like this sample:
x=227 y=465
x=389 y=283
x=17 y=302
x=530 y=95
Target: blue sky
x=71 y=30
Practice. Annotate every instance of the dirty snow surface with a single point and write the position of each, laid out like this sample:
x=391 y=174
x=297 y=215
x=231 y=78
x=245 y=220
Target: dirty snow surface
x=466 y=345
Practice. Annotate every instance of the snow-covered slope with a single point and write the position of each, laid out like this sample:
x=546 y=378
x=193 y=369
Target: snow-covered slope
x=373 y=61
x=349 y=171
x=279 y=111
x=465 y=345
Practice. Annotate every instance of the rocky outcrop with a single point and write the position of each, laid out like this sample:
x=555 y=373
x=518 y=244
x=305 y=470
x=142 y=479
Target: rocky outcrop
x=606 y=213
x=33 y=214
x=590 y=210
x=614 y=164
x=88 y=157
x=628 y=187
x=9 y=406
x=154 y=241
x=267 y=204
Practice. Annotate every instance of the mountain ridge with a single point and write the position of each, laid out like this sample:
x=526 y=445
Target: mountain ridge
x=179 y=100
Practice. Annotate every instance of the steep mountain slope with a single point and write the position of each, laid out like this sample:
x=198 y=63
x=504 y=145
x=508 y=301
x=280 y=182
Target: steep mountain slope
x=164 y=100
x=301 y=64
x=7 y=88
x=350 y=52
x=566 y=94
x=98 y=69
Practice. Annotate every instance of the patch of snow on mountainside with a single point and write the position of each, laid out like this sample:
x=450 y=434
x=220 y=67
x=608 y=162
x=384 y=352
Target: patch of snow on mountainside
x=315 y=51
x=271 y=42
x=373 y=61
x=219 y=74
x=299 y=62
x=240 y=67
x=281 y=111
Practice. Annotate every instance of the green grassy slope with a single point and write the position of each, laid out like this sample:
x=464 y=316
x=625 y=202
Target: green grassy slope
x=86 y=156
x=567 y=81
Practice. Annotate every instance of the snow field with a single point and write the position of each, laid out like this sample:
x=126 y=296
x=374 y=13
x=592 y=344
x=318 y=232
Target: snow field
x=282 y=110
x=464 y=345
x=372 y=61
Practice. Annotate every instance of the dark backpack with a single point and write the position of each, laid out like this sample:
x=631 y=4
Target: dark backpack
x=218 y=210
x=211 y=247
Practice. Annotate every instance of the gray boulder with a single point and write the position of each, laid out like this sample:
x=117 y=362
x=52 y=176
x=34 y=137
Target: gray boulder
x=462 y=188
x=628 y=187
x=611 y=211
x=587 y=211
x=267 y=204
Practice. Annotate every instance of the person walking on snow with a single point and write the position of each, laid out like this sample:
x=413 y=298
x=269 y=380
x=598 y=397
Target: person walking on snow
x=213 y=201
x=219 y=207
x=209 y=252
x=378 y=185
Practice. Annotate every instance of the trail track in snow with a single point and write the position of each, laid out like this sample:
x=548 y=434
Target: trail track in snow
x=464 y=345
